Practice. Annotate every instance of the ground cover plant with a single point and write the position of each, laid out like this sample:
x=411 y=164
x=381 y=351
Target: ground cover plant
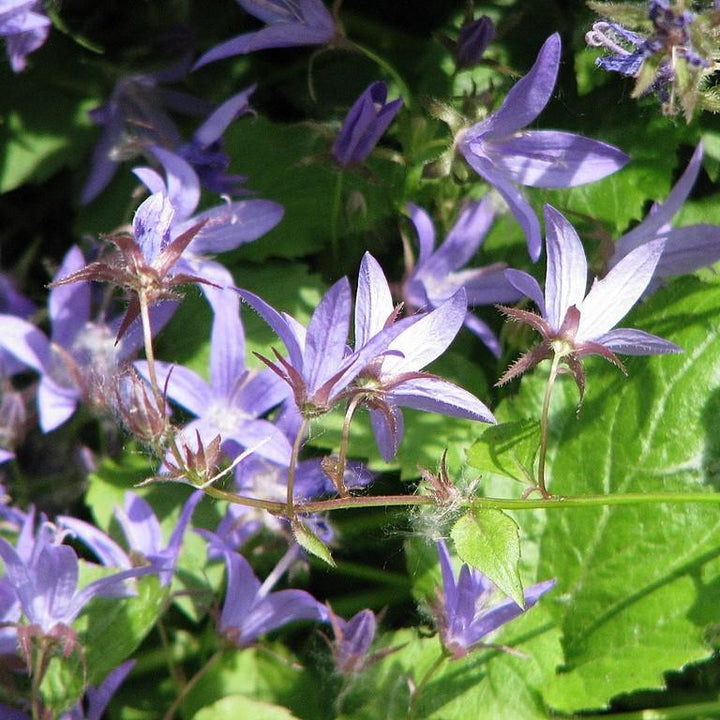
x=359 y=361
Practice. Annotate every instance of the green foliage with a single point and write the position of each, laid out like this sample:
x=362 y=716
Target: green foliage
x=309 y=541
x=237 y=706
x=488 y=539
x=639 y=583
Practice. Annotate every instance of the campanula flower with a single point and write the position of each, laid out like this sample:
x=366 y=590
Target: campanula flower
x=234 y=401
x=686 y=248
x=81 y=359
x=394 y=379
x=465 y=612
x=437 y=274
x=25 y=27
x=574 y=324
x=319 y=368
x=352 y=641
x=251 y=609
x=142 y=531
x=137 y=116
x=366 y=122
x=288 y=23
x=505 y=154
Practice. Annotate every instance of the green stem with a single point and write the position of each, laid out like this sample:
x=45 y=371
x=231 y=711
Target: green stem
x=170 y=714
x=335 y=218
x=383 y=64
x=545 y=425
x=294 y=459
x=549 y=503
x=344 y=440
x=421 y=686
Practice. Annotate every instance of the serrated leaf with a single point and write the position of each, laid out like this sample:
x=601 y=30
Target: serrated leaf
x=488 y=540
x=508 y=449
x=638 y=581
x=309 y=541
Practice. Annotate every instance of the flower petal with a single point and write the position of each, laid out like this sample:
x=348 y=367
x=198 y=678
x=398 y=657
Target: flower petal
x=373 y=301
x=636 y=342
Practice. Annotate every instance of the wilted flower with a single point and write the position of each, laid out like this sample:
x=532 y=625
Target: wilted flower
x=505 y=154
x=574 y=325
x=364 y=125
x=464 y=613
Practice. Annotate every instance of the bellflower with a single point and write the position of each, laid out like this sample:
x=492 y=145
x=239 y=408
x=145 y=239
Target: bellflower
x=505 y=154
x=44 y=575
x=319 y=368
x=352 y=641
x=222 y=228
x=232 y=404
x=438 y=273
x=251 y=609
x=366 y=122
x=573 y=324
x=465 y=613
x=395 y=379
x=136 y=116
x=142 y=531
x=80 y=359
x=25 y=27
x=288 y=23
x=686 y=248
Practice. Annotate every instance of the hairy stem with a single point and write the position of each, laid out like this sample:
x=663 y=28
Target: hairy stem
x=417 y=692
x=294 y=459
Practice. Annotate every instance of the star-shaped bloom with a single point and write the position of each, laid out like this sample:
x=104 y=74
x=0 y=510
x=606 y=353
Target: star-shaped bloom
x=44 y=575
x=289 y=23
x=81 y=359
x=437 y=274
x=136 y=116
x=394 y=378
x=222 y=228
x=252 y=610
x=686 y=248
x=233 y=403
x=574 y=325
x=25 y=27
x=465 y=612
x=505 y=154
x=366 y=122
x=320 y=369
x=143 y=533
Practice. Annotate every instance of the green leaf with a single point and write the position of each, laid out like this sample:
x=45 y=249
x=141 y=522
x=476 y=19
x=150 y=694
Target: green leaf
x=639 y=582
x=239 y=706
x=62 y=684
x=508 y=449
x=487 y=539
x=309 y=541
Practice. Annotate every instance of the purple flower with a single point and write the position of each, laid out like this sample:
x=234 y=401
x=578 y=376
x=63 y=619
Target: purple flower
x=142 y=531
x=366 y=122
x=289 y=23
x=473 y=40
x=136 y=117
x=25 y=27
x=686 y=248
x=44 y=575
x=352 y=641
x=320 y=368
x=394 y=379
x=81 y=359
x=464 y=613
x=205 y=151
x=224 y=227
x=437 y=274
x=232 y=404
x=574 y=325
x=505 y=154
x=251 y=609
